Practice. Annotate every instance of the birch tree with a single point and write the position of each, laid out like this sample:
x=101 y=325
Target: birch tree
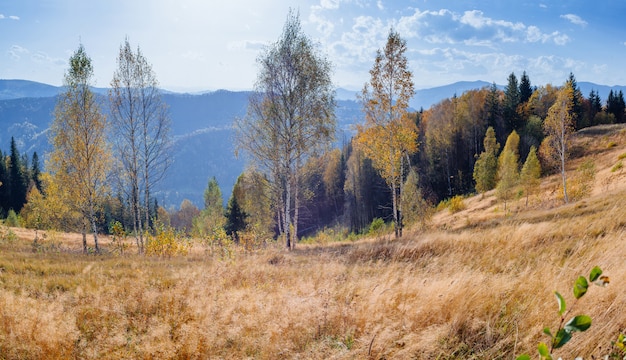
x=80 y=159
x=558 y=127
x=141 y=133
x=389 y=136
x=290 y=117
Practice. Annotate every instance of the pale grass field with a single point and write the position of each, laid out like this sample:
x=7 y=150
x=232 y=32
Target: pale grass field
x=479 y=285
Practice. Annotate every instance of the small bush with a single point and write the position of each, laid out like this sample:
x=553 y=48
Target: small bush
x=611 y=144
x=166 y=242
x=12 y=219
x=7 y=236
x=617 y=167
x=456 y=204
x=118 y=237
x=219 y=244
x=621 y=156
x=376 y=226
x=581 y=184
x=48 y=242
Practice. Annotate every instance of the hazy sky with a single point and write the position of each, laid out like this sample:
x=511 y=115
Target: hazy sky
x=208 y=45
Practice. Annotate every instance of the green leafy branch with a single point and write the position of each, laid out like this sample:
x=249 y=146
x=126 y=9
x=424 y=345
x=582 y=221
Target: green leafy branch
x=578 y=323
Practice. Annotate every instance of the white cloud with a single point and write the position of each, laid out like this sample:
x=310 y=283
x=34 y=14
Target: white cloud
x=574 y=19
x=329 y=4
x=380 y=5
x=323 y=25
x=533 y=34
x=12 y=17
x=43 y=58
x=16 y=52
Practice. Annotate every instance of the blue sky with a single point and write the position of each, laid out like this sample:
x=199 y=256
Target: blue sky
x=198 y=45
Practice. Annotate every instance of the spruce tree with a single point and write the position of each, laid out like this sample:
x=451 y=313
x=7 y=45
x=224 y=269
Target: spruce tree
x=35 y=171
x=525 y=89
x=235 y=219
x=511 y=101
x=577 y=102
x=4 y=186
x=17 y=179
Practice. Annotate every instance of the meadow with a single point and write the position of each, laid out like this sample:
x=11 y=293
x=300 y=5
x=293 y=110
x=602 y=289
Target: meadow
x=476 y=284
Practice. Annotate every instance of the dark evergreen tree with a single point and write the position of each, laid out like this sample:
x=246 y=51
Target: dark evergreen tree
x=18 y=181
x=525 y=89
x=509 y=106
x=493 y=111
x=577 y=102
x=591 y=108
x=35 y=172
x=235 y=219
x=4 y=186
x=596 y=102
x=615 y=105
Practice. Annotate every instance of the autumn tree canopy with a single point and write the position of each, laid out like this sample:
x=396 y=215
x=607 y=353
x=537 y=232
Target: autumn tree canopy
x=81 y=157
x=389 y=136
x=291 y=116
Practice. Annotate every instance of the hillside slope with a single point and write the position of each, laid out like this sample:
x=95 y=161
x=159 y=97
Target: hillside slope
x=478 y=285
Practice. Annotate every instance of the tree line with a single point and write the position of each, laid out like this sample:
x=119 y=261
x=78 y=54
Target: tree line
x=399 y=163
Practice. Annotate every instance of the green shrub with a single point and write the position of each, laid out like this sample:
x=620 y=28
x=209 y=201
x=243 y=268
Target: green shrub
x=12 y=219
x=376 y=226
x=617 y=167
x=579 y=323
x=621 y=156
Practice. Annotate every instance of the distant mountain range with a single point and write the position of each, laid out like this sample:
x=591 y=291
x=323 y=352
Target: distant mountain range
x=201 y=128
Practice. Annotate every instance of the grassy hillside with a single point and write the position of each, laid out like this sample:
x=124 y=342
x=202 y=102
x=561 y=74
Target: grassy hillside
x=478 y=285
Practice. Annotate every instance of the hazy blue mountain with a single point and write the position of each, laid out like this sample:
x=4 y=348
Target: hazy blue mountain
x=201 y=131
x=17 y=89
x=602 y=90
x=201 y=128
x=425 y=98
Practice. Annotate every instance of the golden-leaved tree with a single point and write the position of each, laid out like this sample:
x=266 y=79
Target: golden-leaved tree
x=530 y=176
x=486 y=166
x=389 y=135
x=558 y=127
x=80 y=159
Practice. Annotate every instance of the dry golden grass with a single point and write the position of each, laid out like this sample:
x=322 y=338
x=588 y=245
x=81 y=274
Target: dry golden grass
x=478 y=286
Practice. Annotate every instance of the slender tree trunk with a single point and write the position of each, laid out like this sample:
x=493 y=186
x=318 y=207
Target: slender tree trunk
x=147 y=206
x=563 y=175
x=287 y=217
x=296 y=204
x=395 y=207
x=94 y=227
x=84 y=233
